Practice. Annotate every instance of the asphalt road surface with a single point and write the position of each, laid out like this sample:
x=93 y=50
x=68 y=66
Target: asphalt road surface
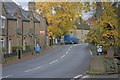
x=65 y=61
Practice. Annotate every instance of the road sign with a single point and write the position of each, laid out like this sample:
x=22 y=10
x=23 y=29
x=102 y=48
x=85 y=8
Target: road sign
x=42 y=32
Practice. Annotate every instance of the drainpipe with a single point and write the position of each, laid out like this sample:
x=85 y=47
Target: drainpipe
x=45 y=33
x=7 y=39
x=22 y=36
x=34 y=33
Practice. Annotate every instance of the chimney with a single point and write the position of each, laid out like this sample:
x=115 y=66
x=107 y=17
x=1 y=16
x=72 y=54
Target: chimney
x=31 y=6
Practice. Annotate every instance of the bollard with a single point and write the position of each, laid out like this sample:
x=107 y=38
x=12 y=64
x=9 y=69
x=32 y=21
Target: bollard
x=19 y=54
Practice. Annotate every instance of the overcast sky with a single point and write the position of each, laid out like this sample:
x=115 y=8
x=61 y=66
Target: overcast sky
x=24 y=4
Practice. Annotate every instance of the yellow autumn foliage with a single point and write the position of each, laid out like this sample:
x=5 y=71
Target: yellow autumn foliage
x=106 y=27
x=66 y=13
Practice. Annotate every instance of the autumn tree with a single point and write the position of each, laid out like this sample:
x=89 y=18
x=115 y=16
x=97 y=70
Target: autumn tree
x=106 y=26
x=60 y=16
x=105 y=29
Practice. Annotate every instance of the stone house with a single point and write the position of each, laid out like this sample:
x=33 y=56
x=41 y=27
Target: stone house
x=41 y=32
x=82 y=30
x=0 y=27
x=21 y=27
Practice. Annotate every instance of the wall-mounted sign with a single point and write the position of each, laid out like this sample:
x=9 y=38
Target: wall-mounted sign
x=42 y=32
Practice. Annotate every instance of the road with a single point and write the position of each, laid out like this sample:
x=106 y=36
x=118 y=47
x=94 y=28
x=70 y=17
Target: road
x=65 y=61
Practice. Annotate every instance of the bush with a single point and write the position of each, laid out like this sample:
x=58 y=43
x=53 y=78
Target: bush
x=3 y=50
x=28 y=46
x=15 y=48
x=19 y=47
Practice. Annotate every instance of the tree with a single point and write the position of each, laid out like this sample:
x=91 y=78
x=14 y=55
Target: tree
x=106 y=26
x=106 y=29
x=60 y=16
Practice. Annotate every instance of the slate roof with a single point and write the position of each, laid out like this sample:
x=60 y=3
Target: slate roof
x=11 y=8
x=36 y=20
x=25 y=15
x=8 y=15
x=82 y=26
x=37 y=17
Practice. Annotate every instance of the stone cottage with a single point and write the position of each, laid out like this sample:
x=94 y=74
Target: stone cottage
x=21 y=27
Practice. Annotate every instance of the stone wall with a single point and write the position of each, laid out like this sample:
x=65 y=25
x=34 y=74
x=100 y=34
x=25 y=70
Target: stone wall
x=26 y=26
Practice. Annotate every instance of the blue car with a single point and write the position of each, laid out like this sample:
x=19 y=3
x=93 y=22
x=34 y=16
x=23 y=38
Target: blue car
x=70 y=39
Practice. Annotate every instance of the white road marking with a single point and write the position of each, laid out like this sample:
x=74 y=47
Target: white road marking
x=53 y=61
x=85 y=76
x=63 y=56
x=6 y=76
x=90 y=52
x=78 y=76
x=69 y=49
x=33 y=69
x=82 y=76
x=67 y=52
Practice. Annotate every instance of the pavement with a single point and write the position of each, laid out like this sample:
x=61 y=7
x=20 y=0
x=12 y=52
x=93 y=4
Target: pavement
x=66 y=61
x=105 y=76
x=26 y=56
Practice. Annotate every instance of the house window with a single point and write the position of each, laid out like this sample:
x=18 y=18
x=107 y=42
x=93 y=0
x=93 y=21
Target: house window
x=2 y=42
x=17 y=23
x=2 y=24
x=24 y=45
x=2 y=21
x=9 y=47
x=3 y=27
